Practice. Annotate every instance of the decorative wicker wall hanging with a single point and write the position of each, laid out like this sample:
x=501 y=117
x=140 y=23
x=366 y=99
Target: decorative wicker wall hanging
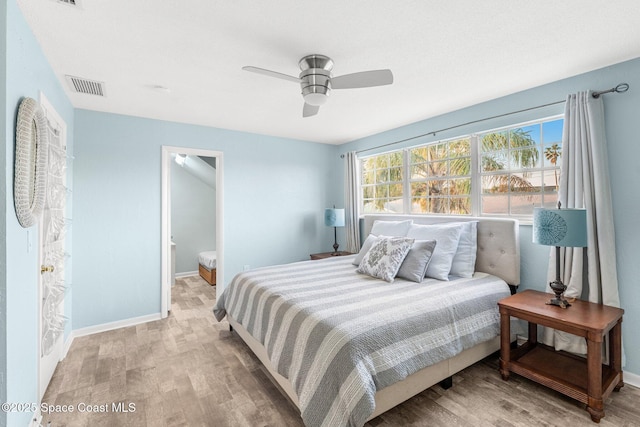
x=32 y=153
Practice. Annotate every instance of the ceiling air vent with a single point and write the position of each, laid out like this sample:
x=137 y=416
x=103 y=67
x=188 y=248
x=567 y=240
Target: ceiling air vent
x=90 y=87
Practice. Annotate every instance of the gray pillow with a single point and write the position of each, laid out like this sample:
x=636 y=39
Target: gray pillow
x=414 y=266
x=448 y=237
x=385 y=257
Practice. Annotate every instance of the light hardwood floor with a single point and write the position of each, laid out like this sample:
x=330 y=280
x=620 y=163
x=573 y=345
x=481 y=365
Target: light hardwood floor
x=189 y=370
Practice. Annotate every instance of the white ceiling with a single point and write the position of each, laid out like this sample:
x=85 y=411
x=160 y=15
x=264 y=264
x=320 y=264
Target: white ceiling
x=445 y=55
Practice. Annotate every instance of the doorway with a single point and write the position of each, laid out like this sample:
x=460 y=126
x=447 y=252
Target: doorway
x=169 y=153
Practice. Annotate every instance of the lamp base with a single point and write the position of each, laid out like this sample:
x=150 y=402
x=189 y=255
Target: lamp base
x=335 y=241
x=560 y=302
x=558 y=288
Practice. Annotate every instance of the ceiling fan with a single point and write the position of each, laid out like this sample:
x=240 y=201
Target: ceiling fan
x=316 y=80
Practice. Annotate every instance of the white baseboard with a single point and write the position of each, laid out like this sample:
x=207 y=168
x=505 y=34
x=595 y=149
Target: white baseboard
x=187 y=274
x=631 y=379
x=67 y=344
x=90 y=330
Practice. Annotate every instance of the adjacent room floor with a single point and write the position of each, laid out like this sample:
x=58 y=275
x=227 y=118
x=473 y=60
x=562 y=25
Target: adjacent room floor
x=189 y=370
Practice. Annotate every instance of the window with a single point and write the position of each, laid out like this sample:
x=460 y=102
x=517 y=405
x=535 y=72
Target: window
x=519 y=169
x=382 y=178
x=503 y=172
x=441 y=177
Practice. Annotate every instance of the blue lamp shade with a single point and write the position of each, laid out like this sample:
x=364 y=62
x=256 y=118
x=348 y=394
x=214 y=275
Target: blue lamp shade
x=560 y=227
x=334 y=217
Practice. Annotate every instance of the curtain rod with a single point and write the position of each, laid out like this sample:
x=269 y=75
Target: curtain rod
x=621 y=88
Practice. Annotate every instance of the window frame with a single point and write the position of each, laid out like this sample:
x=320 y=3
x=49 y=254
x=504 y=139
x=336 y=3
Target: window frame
x=476 y=174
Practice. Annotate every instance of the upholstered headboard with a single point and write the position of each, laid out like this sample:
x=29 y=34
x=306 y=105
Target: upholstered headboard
x=498 y=241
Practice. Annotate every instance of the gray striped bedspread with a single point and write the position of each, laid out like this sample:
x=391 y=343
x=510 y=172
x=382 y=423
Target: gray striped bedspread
x=339 y=336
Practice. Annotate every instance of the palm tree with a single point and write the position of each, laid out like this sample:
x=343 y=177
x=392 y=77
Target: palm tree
x=441 y=173
x=523 y=152
x=552 y=154
x=446 y=160
x=498 y=149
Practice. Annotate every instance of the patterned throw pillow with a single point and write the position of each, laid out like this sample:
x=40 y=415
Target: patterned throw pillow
x=385 y=257
x=370 y=241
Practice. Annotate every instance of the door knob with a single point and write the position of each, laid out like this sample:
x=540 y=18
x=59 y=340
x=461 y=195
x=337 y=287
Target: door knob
x=46 y=268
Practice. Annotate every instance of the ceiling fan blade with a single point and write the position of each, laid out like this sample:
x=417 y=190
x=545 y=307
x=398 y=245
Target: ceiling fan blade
x=362 y=79
x=271 y=74
x=309 y=110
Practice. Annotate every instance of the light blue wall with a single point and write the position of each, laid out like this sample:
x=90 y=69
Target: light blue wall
x=275 y=192
x=27 y=74
x=3 y=211
x=624 y=150
x=193 y=218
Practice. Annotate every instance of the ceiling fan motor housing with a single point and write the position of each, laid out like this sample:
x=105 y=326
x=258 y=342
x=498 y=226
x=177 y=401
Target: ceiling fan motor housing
x=315 y=78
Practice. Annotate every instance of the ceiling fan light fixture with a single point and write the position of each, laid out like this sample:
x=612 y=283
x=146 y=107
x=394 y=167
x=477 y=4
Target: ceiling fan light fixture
x=316 y=85
x=316 y=99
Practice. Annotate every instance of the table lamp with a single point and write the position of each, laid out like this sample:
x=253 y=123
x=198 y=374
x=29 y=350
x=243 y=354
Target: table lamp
x=559 y=228
x=334 y=218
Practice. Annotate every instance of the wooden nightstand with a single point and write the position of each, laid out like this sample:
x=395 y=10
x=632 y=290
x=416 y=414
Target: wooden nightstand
x=586 y=380
x=324 y=255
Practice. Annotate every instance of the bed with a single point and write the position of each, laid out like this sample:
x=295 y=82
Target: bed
x=207 y=263
x=346 y=347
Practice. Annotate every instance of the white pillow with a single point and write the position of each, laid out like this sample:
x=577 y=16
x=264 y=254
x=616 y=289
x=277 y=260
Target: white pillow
x=464 y=262
x=447 y=238
x=369 y=241
x=391 y=228
x=385 y=257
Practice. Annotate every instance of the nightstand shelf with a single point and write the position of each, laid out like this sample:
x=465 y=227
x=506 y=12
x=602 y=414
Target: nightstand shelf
x=324 y=255
x=586 y=380
x=559 y=370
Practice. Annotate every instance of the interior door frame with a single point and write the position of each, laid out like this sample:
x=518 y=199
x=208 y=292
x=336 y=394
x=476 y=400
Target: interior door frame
x=167 y=151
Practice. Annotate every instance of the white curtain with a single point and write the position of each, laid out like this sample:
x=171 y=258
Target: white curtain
x=351 y=191
x=584 y=183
